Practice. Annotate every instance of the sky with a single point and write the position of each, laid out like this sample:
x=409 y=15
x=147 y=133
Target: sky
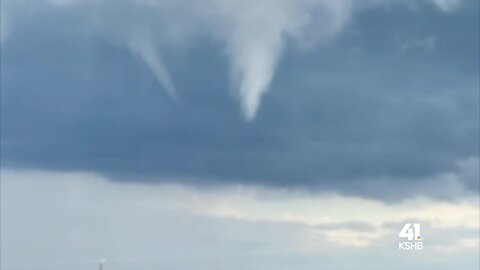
x=209 y=134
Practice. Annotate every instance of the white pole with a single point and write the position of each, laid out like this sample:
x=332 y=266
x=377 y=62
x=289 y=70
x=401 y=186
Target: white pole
x=101 y=264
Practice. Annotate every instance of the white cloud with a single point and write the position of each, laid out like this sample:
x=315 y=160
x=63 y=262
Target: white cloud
x=74 y=219
x=355 y=239
x=63 y=2
x=254 y=33
x=446 y=5
x=459 y=246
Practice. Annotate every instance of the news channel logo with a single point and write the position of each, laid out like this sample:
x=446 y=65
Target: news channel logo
x=411 y=236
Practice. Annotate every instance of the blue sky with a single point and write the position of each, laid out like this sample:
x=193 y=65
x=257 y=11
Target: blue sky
x=376 y=101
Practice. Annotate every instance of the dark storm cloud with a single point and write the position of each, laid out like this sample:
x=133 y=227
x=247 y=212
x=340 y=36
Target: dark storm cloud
x=359 y=108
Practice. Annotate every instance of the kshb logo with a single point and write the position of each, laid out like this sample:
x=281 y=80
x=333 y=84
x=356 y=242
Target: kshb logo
x=412 y=233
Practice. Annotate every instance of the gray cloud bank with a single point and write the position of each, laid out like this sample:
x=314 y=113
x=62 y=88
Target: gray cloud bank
x=57 y=221
x=352 y=115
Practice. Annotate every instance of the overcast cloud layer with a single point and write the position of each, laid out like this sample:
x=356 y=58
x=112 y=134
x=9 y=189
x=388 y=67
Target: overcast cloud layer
x=378 y=99
x=72 y=220
x=227 y=134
